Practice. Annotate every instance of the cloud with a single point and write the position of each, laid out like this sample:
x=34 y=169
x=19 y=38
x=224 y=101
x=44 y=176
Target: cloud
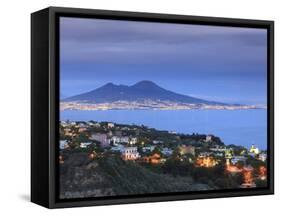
x=131 y=42
x=100 y=30
x=218 y=62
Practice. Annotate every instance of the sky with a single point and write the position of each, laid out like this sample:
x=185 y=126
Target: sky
x=225 y=64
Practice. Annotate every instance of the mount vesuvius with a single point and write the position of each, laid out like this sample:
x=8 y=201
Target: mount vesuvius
x=139 y=92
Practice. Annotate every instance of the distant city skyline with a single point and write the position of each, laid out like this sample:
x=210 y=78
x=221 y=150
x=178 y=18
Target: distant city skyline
x=226 y=64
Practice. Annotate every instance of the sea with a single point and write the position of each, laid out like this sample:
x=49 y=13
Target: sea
x=238 y=127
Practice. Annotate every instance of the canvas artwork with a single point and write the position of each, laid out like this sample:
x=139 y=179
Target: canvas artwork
x=159 y=108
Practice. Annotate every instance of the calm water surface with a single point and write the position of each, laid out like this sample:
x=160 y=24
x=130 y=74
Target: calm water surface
x=240 y=127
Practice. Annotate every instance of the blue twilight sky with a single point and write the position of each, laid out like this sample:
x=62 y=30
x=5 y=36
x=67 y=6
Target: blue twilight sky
x=226 y=64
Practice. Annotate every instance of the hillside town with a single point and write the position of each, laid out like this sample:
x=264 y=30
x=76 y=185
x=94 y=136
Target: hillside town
x=166 y=152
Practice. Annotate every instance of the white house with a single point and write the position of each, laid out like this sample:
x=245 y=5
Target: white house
x=96 y=124
x=133 y=140
x=157 y=142
x=208 y=138
x=148 y=148
x=73 y=123
x=85 y=144
x=124 y=139
x=63 y=144
x=101 y=137
x=117 y=148
x=130 y=153
x=218 y=154
x=82 y=124
x=119 y=139
x=236 y=159
x=263 y=157
x=166 y=151
x=63 y=124
x=110 y=125
x=114 y=140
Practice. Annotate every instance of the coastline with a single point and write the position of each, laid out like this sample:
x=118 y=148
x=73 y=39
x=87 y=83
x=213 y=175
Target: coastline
x=166 y=105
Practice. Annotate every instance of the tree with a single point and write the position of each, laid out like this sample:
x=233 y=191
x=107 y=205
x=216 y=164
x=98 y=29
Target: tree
x=157 y=150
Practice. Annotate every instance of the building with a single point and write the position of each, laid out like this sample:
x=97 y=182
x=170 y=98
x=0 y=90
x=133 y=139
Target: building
x=167 y=152
x=133 y=140
x=262 y=157
x=186 y=149
x=90 y=123
x=153 y=159
x=82 y=129
x=85 y=144
x=82 y=124
x=110 y=125
x=63 y=144
x=96 y=124
x=117 y=148
x=68 y=132
x=124 y=139
x=218 y=148
x=205 y=154
x=228 y=156
x=119 y=139
x=218 y=154
x=114 y=140
x=73 y=123
x=148 y=148
x=109 y=134
x=254 y=150
x=206 y=161
x=157 y=142
x=208 y=138
x=102 y=138
x=237 y=159
x=63 y=124
x=130 y=153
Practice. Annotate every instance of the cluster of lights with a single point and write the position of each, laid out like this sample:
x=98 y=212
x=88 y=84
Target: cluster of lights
x=206 y=162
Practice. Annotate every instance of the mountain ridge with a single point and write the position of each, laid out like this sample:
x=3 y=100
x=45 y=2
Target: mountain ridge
x=140 y=91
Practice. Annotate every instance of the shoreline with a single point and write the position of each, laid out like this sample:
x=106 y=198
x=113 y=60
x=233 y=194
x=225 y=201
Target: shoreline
x=79 y=107
x=156 y=129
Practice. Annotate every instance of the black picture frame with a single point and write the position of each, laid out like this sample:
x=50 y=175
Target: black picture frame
x=45 y=103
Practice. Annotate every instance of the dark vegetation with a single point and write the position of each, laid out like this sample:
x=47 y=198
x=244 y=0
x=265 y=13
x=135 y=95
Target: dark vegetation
x=109 y=176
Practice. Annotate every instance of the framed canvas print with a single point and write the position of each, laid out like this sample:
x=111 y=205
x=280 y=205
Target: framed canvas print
x=139 y=107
